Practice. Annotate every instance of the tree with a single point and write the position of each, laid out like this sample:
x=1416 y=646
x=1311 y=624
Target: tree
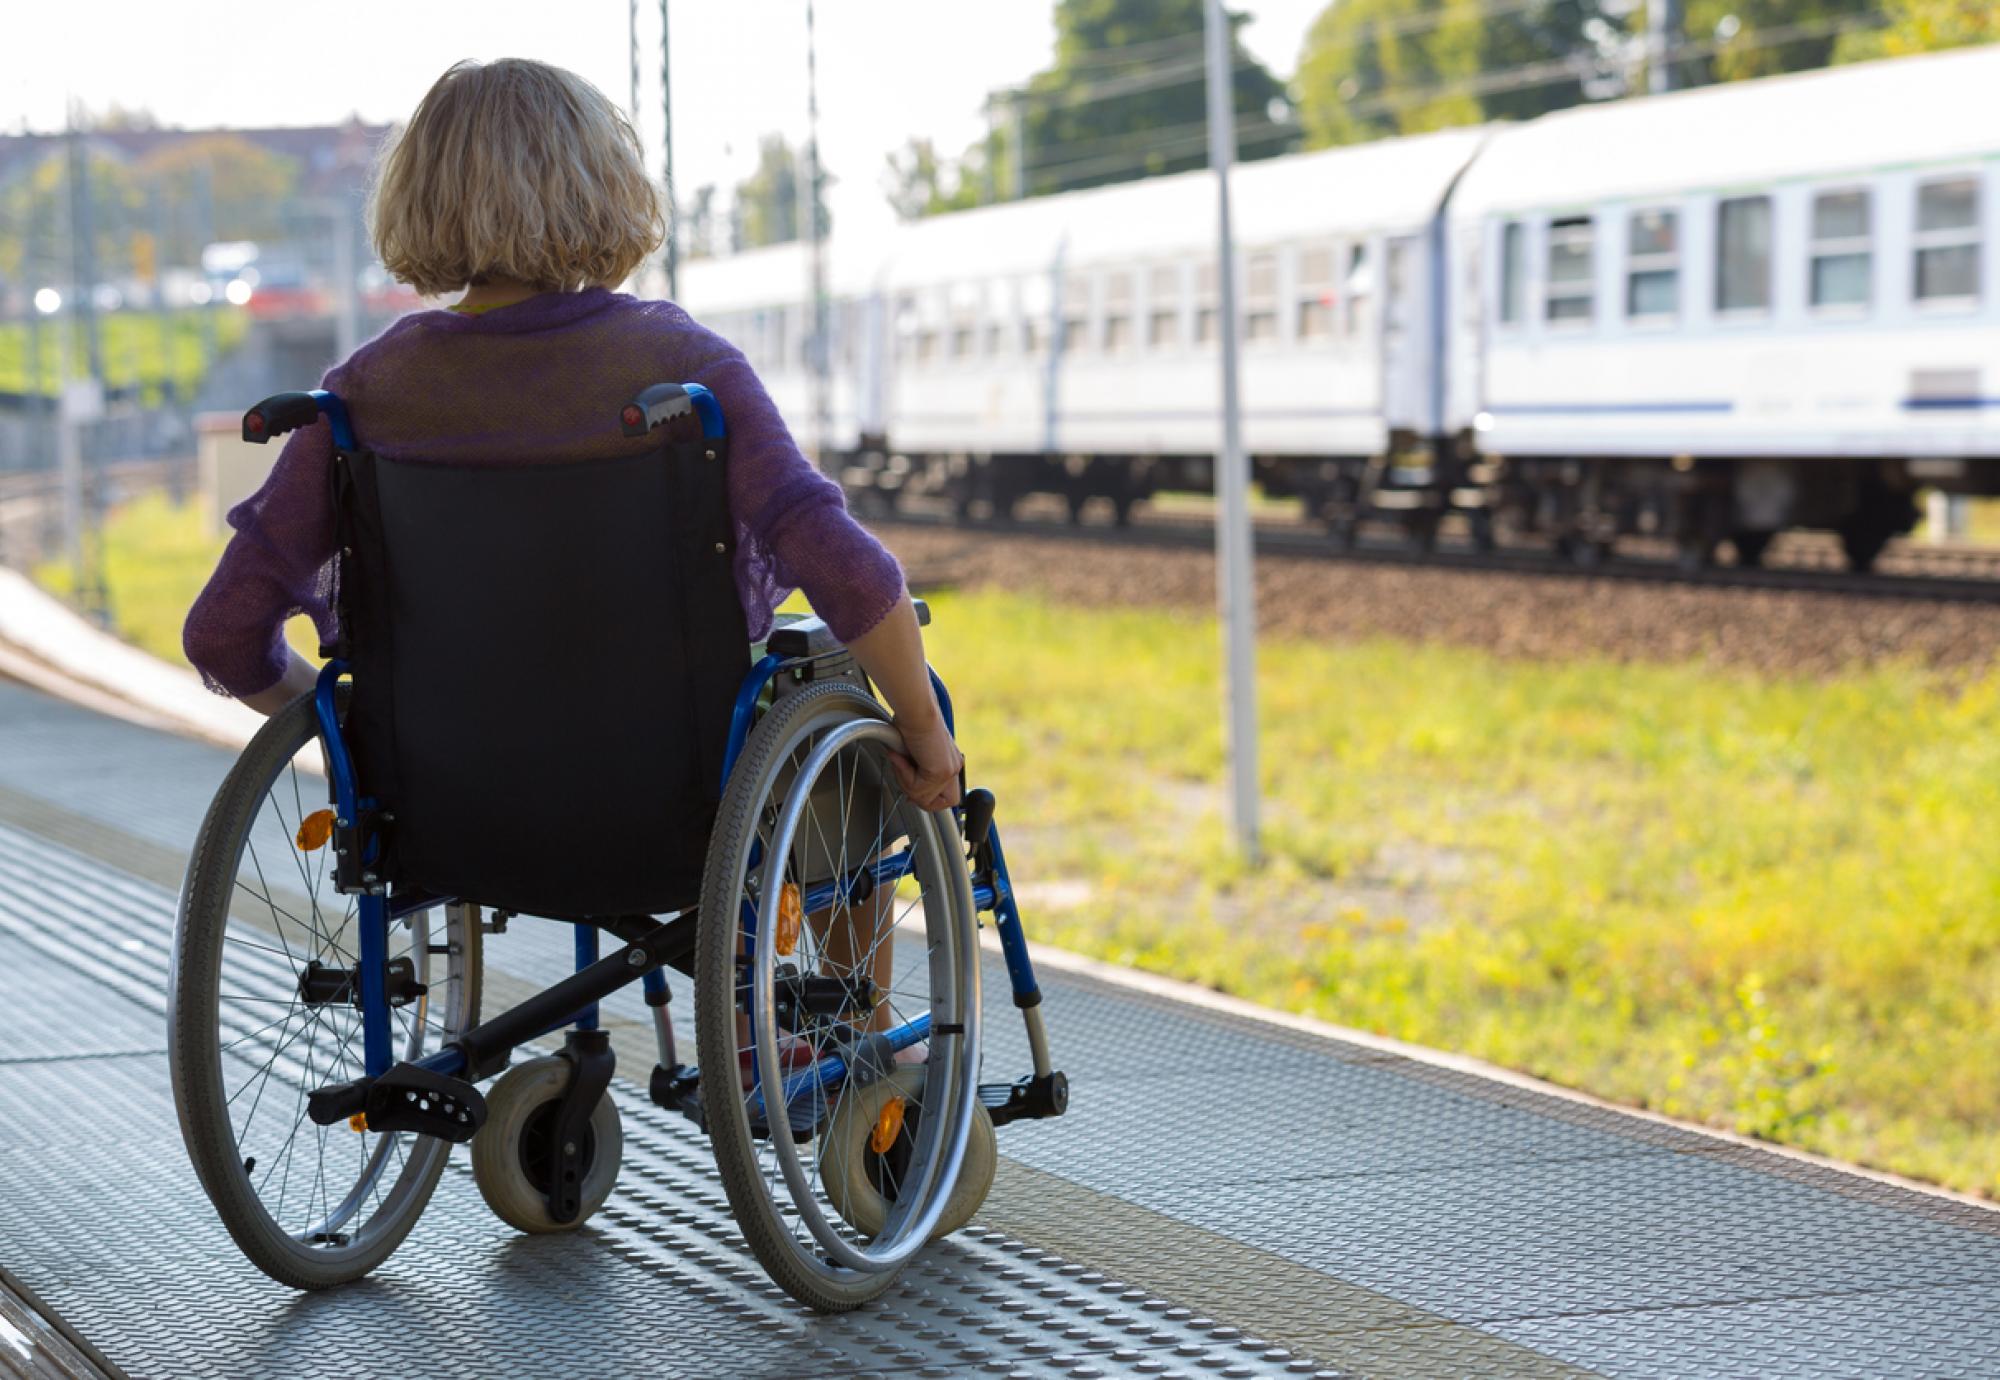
x=250 y=188
x=1373 y=68
x=697 y=223
x=1922 y=26
x=767 y=202
x=920 y=183
x=1127 y=97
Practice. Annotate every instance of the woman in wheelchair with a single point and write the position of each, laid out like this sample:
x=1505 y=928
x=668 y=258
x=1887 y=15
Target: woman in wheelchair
x=543 y=571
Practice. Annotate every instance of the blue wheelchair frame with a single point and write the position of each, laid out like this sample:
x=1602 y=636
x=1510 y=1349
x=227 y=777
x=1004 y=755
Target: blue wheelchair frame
x=376 y=909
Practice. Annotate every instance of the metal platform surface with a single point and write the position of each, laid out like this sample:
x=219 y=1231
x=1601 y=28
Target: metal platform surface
x=1226 y=1197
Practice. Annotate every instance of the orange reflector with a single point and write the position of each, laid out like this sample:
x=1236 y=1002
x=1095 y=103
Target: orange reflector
x=888 y=1125
x=358 y=1122
x=315 y=829
x=791 y=914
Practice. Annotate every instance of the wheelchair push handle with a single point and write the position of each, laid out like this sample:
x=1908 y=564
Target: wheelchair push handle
x=665 y=401
x=283 y=412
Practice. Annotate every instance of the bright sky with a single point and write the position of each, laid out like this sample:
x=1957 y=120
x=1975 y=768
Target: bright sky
x=888 y=69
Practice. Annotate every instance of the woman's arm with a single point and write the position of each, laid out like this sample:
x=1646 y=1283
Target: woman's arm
x=275 y=565
x=854 y=583
x=892 y=653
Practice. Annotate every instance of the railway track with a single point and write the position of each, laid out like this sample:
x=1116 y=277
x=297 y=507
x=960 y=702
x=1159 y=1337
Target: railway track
x=1796 y=562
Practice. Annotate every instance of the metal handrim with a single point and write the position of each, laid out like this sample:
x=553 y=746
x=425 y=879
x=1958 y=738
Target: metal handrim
x=903 y=1236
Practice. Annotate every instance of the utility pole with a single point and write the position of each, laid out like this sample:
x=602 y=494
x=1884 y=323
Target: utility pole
x=632 y=55
x=156 y=219
x=816 y=232
x=83 y=255
x=204 y=210
x=667 y=139
x=31 y=263
x=1663 y=36
x=346 y=294
x=1017 y=140
x=1235 y=595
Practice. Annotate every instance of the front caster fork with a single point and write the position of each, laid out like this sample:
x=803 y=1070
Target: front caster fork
x=591 y=1063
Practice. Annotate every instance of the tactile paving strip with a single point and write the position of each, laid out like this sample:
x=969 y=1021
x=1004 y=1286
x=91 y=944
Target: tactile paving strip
x=1227 y=1196
x=101 y=1213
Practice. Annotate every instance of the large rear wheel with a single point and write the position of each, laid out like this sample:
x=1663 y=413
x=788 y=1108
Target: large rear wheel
x=836 y=920
x=262 y=1011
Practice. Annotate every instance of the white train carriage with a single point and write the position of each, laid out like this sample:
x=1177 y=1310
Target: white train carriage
x=761 y=302
x=1068 y=344
x=1731 y=311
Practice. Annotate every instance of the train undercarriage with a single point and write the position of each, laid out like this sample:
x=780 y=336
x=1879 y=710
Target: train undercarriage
x=1581 y=508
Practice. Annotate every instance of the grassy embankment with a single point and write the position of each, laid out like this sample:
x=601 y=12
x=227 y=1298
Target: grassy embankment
x=135 y=349
x=1768 y=904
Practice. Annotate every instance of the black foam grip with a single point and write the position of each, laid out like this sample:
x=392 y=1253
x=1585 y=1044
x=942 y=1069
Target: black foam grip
x=278 y=414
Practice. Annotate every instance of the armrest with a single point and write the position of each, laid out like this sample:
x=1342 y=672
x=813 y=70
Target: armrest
x=811 y=637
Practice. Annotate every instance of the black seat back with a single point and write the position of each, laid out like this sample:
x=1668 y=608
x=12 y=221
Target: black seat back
x=545 y=658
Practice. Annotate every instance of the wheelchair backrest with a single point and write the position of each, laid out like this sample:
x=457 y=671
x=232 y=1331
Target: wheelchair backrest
x=545 y=658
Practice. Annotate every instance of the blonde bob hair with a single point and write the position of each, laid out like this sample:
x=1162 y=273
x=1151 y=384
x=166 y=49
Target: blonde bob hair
x=513 y=169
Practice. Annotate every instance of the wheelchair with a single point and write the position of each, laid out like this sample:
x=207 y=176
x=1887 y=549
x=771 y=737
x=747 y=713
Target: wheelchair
x=543 y=705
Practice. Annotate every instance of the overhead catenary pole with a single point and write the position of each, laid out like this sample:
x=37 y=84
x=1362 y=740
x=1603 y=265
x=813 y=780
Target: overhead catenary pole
x=816 y=236
x=667 y=140
x=1663 y=36
x=1235 y=596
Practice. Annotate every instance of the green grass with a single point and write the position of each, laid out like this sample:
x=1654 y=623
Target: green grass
x=1767 y=904
x=156 y=559
x=134 y=347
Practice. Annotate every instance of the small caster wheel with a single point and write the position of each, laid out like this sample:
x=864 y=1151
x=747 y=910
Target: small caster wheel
x=861 y=1183
x=511 y=1154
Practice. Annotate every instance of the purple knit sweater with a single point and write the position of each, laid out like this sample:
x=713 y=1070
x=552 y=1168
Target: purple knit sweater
x=540 y=380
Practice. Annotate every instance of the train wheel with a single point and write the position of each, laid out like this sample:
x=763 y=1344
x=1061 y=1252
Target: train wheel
x=1480 y=523
x=1863 y=538
x=1750 y=547
x=1693 y=554
x=1585 y=553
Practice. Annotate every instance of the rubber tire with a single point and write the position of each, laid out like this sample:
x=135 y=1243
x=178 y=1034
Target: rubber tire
x=736 y=1155
x=511 y=1103
x=1750 y=548
x=845 y=1170
x=199 y=1097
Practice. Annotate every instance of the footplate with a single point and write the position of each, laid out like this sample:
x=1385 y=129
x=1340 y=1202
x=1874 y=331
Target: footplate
x=678 y=1089
x=406 y=1098
x=1030 y=1099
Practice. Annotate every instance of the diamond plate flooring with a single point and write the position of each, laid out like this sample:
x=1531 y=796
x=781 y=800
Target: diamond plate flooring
x=1226 y=1197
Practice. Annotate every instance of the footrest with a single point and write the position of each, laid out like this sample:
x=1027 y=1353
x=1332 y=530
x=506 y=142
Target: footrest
x=678 y=1089
x=1030 y=1099
x=406 y=1098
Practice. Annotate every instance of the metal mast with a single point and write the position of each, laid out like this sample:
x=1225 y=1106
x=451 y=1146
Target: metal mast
x=1235 y=595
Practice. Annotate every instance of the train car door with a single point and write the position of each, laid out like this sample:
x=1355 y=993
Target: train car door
x=1405 y=336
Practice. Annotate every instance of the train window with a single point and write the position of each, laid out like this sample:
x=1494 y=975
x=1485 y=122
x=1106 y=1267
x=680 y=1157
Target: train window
x=1036 y=312
x=1653 y=266
x=1513 y=270
x=1163 y=307
x=1841 y=257
x=1948 y=240
x=1360 y=281
x=1571 y=288
x=1206 y=313
x=1260 y=298
x=1743 y=254
x=1118 y=333
x=1315 y=294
